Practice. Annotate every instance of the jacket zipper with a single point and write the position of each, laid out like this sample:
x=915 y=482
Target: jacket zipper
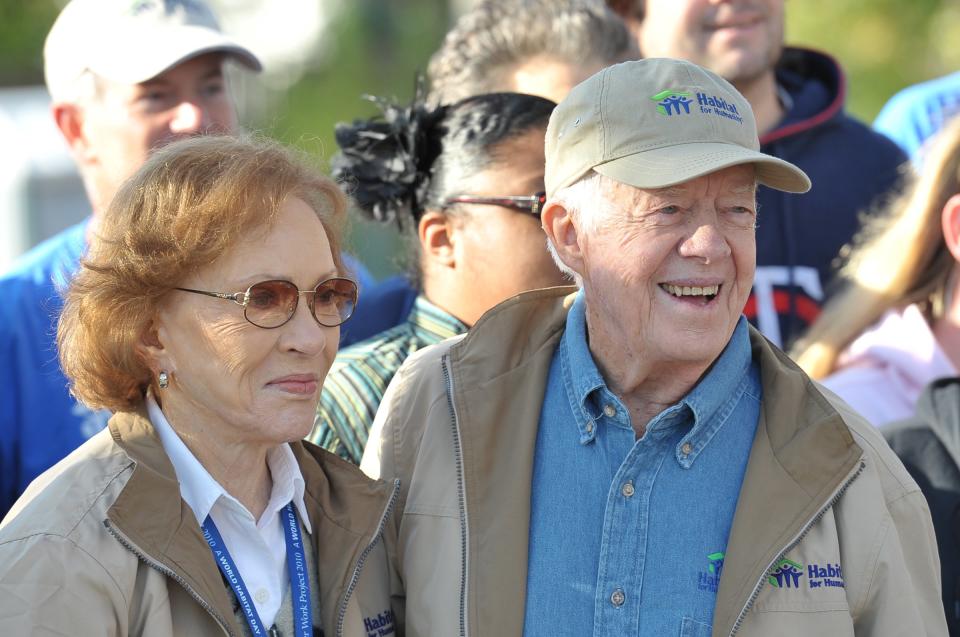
x=154 y=564
x=796 y=540
x=458 y=455
x=355 y=578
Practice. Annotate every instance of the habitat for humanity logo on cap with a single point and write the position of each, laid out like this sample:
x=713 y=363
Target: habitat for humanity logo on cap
x=670 y=102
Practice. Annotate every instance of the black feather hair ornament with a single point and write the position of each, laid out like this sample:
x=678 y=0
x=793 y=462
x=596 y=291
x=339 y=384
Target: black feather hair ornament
x=385 y=160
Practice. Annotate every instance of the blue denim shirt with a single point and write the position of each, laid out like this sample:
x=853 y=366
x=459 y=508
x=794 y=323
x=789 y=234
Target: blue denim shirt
x=627 y=536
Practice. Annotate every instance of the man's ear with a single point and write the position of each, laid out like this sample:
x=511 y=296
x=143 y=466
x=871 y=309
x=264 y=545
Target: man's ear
x=69 y=118
x=950 y=223
x=438 y=237
x=562 y=232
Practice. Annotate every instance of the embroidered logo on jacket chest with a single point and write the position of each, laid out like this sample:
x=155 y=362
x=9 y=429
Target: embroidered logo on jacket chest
x=787 y=574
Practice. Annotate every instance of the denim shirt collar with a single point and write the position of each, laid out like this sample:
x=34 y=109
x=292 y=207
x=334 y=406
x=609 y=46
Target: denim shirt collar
x=708 y=404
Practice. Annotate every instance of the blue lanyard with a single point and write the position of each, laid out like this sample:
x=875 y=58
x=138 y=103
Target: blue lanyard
x=296 y=566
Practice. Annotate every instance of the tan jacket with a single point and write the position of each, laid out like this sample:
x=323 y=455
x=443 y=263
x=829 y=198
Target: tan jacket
x=458 y=426
x=102 y=544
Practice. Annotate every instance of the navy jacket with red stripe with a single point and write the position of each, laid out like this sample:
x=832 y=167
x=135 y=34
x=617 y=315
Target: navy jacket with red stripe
x=800 y=236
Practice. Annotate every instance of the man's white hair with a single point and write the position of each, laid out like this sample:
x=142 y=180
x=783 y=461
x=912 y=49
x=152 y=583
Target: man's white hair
x=587 y=203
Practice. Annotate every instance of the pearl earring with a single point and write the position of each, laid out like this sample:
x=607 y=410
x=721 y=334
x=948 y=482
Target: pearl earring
x=163 y=380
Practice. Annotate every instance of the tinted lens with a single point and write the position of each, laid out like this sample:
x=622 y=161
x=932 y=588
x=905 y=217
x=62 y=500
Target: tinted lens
x=334 y=300
x=271 y=303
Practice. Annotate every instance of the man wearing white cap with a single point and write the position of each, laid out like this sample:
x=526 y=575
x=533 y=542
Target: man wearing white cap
x=630 y=457
x=125 y=77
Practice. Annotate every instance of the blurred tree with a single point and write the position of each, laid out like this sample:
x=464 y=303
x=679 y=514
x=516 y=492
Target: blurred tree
x=377 y=50
x=883 y=45
x=23 y=27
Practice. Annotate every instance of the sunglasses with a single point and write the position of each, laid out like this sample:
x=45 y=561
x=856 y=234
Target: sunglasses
x=530 y=204
x=270 y=304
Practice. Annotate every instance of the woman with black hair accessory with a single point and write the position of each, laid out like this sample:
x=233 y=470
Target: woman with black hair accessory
x=465 y=183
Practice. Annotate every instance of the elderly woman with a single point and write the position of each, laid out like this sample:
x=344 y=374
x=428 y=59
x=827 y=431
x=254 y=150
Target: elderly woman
x=206 y=316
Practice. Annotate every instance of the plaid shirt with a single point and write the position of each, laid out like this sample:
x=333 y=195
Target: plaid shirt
x=360 y=374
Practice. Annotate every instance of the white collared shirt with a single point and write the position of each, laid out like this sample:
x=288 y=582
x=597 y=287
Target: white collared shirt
x=258 y=547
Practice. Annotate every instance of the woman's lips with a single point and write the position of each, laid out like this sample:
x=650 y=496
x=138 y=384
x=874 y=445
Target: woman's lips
x=296 y=384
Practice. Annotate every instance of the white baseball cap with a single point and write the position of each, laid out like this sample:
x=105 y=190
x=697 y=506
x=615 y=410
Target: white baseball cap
x=131 y=41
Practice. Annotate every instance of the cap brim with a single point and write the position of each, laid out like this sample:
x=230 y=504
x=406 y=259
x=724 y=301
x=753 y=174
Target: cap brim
x=671 y=165
x=154 y=51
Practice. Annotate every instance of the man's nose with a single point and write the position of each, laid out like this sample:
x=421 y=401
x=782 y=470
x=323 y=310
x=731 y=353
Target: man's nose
x=188 y=118
x=706 y=241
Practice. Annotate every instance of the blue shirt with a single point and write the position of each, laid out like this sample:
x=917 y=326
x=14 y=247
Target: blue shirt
x=40 y=422
x=627 y=536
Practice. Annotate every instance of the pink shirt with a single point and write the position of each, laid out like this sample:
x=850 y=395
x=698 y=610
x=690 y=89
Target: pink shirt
x=882 y=373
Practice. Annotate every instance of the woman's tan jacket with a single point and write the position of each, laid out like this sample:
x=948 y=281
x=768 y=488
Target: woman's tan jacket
x=102 y=544
x=822 y=490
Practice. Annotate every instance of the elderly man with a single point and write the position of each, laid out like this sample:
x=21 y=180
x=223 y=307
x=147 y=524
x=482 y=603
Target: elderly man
x=635 y=459
x=125 y=77
x=797 y=96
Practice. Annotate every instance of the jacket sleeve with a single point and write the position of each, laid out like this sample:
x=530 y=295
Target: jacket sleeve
x=50 y=586
x=904 y=593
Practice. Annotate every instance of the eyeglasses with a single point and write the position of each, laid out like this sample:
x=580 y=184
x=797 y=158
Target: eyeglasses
x=530 y=204
x=270 y=304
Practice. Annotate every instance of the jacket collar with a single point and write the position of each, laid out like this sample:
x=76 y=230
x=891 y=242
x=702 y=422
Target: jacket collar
x=348 y=510
x=801 y=455
x=939 y=409
x=345 y=509
x=151 y=515
x=506 y=354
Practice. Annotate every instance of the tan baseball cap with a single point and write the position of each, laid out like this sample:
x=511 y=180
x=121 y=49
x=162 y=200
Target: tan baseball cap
x=131 y=41
x=655 y=123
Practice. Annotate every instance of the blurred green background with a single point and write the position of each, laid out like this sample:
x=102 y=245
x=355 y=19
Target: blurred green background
x=376 y=46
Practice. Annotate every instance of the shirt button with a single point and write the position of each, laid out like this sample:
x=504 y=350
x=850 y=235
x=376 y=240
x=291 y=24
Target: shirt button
x=617 y=598
x=610 y=411
x=589 y=426
x=627 y=490
x=686 y=448
x=261 y=596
